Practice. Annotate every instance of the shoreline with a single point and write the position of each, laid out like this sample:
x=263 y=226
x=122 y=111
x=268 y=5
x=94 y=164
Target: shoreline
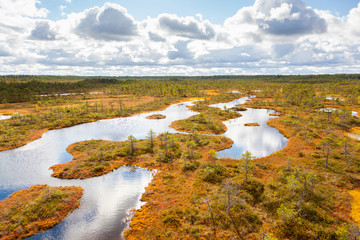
x=40 y=132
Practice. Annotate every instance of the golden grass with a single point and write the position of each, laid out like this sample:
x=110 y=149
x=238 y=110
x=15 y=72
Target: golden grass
x=76 y=100
x=211 y=92
x=355 y=205
x=251 y=124
x=355 y=130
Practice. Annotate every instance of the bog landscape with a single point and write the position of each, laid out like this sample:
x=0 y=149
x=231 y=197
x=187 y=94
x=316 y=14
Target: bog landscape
x=209 y=120
x=266 y=157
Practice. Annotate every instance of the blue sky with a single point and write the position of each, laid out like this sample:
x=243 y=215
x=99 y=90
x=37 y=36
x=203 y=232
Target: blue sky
x=215 y=11
x=179 y=37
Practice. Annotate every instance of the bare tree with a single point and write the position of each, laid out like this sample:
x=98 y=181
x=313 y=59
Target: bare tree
x=328 y=144
x=230 y=191
x=212 y=216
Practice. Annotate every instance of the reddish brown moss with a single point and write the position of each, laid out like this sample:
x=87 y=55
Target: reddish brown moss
x=156 y=116
x=29 y=211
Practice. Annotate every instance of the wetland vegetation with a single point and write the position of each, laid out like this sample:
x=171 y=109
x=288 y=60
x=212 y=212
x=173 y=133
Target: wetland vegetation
x=38 y=208
x=156 y=116
x=307 y=190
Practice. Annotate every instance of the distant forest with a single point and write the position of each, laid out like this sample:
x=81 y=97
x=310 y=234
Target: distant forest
x=24 y=88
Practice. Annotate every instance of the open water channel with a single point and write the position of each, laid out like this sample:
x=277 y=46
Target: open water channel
x=107 y=199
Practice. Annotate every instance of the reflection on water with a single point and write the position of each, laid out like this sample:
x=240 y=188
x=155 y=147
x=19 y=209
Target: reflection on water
x=3 y=117
x=327 y=110
x=232 y=103
x=334 y=98
x=108 y=198
x=235 y=91
x=354 y=135
x=104 y=205
x=260 y=141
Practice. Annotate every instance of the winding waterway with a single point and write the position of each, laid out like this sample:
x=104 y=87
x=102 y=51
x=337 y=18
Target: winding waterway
x=107 y=199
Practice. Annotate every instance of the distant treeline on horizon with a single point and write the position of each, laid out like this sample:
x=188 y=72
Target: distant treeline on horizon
x=21 y=88
x=321 y=77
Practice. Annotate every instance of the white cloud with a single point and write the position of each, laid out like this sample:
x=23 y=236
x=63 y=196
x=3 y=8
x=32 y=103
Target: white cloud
x=181 y=52
x=110 y=22
x=4 y=52
x=155 y=37
x=354 y=19
x=22 y=7
x=187 y=27
x=42 y=31
x=279 y=17
x=270 y=37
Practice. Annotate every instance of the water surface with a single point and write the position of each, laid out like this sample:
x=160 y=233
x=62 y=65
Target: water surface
x=107 y=199
x=3 y=117
x=261 y=141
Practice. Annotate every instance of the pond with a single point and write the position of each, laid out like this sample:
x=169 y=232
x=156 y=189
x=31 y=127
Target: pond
x=334 y=98
x=107 y=199
x=330 y=110
x=354 y=135
x=261 y=141
x=4 y=117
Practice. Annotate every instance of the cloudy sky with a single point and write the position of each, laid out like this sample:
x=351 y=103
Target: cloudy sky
x=179 y=37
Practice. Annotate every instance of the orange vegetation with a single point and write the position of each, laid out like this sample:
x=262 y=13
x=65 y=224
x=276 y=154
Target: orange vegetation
x=211 y=92
x=156 y=116
x=355 y=130
x=186 y=125
x=251 y=124
x=209 y=121
x=74 y=100
x=70 y=170
x=89 y=161
x=354 y=133
x=36 y=209
x=355 y=206
x=171 y=189
x=35 y=134
x=239 y=108
x=174 y=193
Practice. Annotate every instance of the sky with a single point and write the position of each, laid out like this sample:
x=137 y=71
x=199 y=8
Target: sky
x=157 y=37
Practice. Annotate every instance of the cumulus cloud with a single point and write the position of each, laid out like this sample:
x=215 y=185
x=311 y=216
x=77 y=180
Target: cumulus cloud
x=19 y=15
x=155 y=37
x=354 y=19
x=269 y=37
x=187 y=27
x=280 y=17
x=111 y=22
x=233 y=56
x=4 y=52
x=281 y=50
x=182 y=51
x=22 y=7
x=42 y=31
